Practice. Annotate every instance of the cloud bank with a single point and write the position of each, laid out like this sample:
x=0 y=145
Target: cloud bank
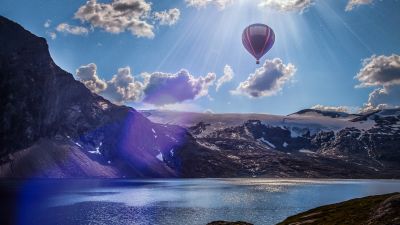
x=267 y=80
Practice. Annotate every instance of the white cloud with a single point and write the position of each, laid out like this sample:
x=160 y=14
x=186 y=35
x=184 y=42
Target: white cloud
x=267 y=80
x=52 y=35
x=344 y=109
x=123 y=87
x=220 y=4
x=228 y=76
x=169 y=17
x=383 y=98
x=380 y=70
x=165 y=88
x=71 y=29
x=47 y=23
x=355 y=3
x=87 y=74
x=286 y=5
x=118 y=16
x=160 y=89
x=383 y=73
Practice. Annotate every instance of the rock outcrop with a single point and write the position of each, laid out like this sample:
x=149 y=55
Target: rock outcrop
x=372 y=210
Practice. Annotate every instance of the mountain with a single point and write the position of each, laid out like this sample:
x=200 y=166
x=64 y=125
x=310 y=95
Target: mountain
x=53 y=126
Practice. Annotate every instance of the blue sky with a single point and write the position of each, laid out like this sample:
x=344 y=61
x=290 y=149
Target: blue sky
x=325 y=43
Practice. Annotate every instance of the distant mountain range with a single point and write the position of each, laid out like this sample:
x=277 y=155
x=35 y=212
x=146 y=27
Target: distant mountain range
x=309 y=143
x=53 y=126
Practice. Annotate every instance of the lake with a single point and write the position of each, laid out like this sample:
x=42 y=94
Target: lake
x=174 y=202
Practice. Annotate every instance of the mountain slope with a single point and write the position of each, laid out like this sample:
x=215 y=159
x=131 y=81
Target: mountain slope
x=45 y=107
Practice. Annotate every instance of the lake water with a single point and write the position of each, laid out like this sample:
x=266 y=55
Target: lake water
x=178 y=202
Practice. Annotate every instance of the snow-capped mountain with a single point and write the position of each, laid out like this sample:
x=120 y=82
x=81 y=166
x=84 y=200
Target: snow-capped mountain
x=370 y=141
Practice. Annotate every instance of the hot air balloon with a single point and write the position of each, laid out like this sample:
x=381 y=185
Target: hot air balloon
x=258 y=39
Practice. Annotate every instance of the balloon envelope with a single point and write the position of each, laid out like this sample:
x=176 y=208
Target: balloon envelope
x=258 y=39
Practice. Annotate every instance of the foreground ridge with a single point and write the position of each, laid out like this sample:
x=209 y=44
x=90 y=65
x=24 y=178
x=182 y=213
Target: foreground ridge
x=372 y=210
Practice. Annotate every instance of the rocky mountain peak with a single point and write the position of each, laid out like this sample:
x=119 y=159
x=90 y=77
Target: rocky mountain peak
x=17 y=41
x=38 y=96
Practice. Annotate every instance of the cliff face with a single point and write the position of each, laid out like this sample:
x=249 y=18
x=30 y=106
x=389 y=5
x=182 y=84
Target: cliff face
x=41 y=102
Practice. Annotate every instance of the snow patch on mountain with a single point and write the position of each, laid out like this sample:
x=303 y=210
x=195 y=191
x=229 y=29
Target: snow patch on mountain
x=160 y=157
x=267 y=142
x=306 y=151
